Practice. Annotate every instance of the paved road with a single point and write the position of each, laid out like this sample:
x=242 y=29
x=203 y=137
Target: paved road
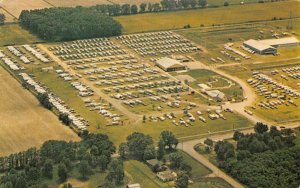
x=188 y=147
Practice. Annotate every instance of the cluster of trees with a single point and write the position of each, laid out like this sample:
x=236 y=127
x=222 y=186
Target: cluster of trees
x=57 y=24
x=2 y=19
x=141 y=147
x=32 y=167
x=266 y=158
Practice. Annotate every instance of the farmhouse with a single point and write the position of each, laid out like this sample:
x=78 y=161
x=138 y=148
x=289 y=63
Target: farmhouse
x=168 y=64
x=166 y=176
x=136 y=185
x=269 y=46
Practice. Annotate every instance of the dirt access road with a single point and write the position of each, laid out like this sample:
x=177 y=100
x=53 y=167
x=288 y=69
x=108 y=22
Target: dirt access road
x=23 y=122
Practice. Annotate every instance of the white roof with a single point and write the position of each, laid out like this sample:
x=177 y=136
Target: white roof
x=168 y=62
x=257 y=44
x=136 y=185
x=215 y=93
x=281 y=41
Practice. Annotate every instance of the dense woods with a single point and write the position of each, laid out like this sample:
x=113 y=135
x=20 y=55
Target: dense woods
x=266 y=158
x=57 y=24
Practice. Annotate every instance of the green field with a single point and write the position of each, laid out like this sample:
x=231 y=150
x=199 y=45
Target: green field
x=11 y=34
x=207 y=17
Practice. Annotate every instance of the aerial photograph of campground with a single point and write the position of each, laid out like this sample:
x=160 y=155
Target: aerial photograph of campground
x=149 y=94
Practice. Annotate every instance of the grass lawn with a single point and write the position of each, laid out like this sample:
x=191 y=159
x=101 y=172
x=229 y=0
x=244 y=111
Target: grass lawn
x=11 y=34
x=238 y=14
x=214 y=81
x=138 y=172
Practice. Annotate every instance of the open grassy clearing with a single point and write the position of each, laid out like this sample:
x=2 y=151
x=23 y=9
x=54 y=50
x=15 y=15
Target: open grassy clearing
x=15 y=7
x=18 y=131
x=175 y=20
x=11 y=34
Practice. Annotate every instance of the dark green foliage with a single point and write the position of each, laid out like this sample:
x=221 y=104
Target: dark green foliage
x=176 y=160
x=161 y=149
x=2 y=19
x=137 y=144
x=116 y=172
x=169 y=140
x=260 y=128
x=202 y=3
x=149 y=153
x=65 y=118
x=226 y=3
x=264 y=159
x=182 y=181
x=93 y=151
x=84 y=169
x=123 y=150
x=47 y=169
x=62 y=172
x=224 y=150
x=44 y=100
x=59 y=24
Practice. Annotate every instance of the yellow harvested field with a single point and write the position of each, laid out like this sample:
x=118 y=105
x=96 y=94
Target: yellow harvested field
x=208 y=17
x=15 y=7
x=74 y=3
x=8 y=17
x=23 y=122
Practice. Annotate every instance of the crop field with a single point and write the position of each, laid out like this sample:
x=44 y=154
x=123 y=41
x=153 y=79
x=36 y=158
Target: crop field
x=15 y=7
x=12 y=34
x=8 y=17
x=18 y=131
x=74 y=3
x=137 y=2
x=178 y=19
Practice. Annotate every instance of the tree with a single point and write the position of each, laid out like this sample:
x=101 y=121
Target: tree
x=103 y=161
x=44 y=100
x=2 y=19
x=193 y=3
x=125 y=9
x=182 y=180
x=149 y=153
x=62 y=172
x=226 y=3
x=169 y=139
x=209 y=142
x=84 y=169
x=176 y=160
x=21 y=183
x=237 y=135
x=133 y=9
x=143 y=7
x=150 y=7
x=64 y=117
x=123 y=150
x=161 y=149
x=33 y=174
x=224 y=150
x=47 y=169
x=260 y=128
x=116 y=172
x=202 y=3
x=137 y=144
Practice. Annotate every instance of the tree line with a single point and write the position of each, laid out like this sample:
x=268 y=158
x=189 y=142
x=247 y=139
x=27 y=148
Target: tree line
x=57 y=24
x=266 y=158
x=32 y=167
